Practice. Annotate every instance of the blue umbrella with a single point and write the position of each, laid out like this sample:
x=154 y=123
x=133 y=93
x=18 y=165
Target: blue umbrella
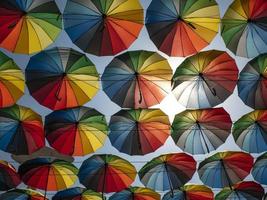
x=77 y=193
x=259 y=171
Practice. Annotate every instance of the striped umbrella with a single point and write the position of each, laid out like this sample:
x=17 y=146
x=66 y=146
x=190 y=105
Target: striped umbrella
x=77 y=193
x=8 y=176
x=259 y=171
x=22 y=194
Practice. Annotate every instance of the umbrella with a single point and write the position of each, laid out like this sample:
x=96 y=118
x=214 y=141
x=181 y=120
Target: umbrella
x=11 y=81
x=136 y=193
x=201 y=131
x=247 y=190
x=103 y=27
x=250 y=131
x=182 y=28
x=77 y=131
x=77 y=193
x=259 y=171
x=28 y=26
x=22 y=194
x=138 y=132
x=205 y=79
x=61 y=78
x=8 y=176
x=21 y=130
x=252 y=84
x=137 y=79
x=228 y=167
x=244 y=27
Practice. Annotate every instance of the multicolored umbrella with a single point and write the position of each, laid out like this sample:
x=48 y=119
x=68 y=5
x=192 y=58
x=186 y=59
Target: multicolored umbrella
x=61 y=78
x=11 y=81
x=103 y=27
x=21 y=130
x=228 y=167
x=8 y=176
x=77 y=131
x=22 y=194
x=244 y=27
x=137 y=79
x=201 y=131
x=182 y=28
x=259 y=171
x=138 y=132
x=28 y=26
x=250 y=131
x=77 y=193
x=252 y=84
x=205 y=79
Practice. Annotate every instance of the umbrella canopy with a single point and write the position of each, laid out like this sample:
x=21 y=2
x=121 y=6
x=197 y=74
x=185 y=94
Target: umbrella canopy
x=244 y=27
x=22 y=194
x=77 y=131
x=259 y=171
x=252 y=84
x=77 y=193
x=21 y=130
x=137 y=79
x=8 y=176
x=28 y=26
x=61 y=78
x=103 y=27
x=228 y=167
x=201 y=131
x=11 y=81
x=138 y=132
x=182 y=28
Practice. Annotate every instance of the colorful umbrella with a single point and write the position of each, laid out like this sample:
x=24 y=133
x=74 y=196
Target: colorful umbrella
x=11 y=81
x=259 y=171
x=61 y=78
x=244 y=27
x=205 y=79
x=182 y=28
x=138 y=132
x=137 y=79
x=225 y=168
x=252 y=84
x=22 y=194
x=201 y=131
x=103 y=27
x=77 y=193
x=28 y=26
x=21 y=130
x=8 y=176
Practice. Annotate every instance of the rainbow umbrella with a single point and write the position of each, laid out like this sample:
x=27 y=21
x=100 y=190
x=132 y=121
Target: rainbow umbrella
x=77 y=131
x=225 y=168
x=77 y=193
x=205 y=79
x=137 y=79
x=11 y=81
x=201 y=131
x=28 y=26
x=8 y=176
x=252 y=84
x=182 y=28
x=61 y=78
x=21 y=130
x=103 y=27
x=22 y=194
x=259 y=171
x=244 y=27
x=138 y=132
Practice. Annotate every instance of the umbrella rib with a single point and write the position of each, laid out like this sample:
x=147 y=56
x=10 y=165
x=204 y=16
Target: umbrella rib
x=169 y=179
x=226 y=174
x=202 y=135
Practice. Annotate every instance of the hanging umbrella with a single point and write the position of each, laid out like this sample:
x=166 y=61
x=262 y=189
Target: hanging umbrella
x=244 y=27
x=259 y=171
x=61 y=78
x=252 y=84
x=225 y=168
x=138 y=132
x=22 y=194
x=137 y=79
x=11 y=81
x=201 y=131
x=8 y=176
x=28 y=26
x=77 y=193
x=103 y=27
x=205 y=79
x=21 y=130
x=182 y=28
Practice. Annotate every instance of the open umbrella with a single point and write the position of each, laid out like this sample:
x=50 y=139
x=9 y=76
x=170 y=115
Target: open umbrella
x=21 y=130
x=225 y=168
x=28 y=26
x=61 y=78
x=201 y=131
x=8 y=176
x=77 y=131
x=244 y=27
x=259 y=171
x=205 y=79
x=252 y=83
x=182 y=28
x=103 y=27
x=77 y=193
x=138 y=132
x=137 y=79
x=22 y=194
x=11 y=81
